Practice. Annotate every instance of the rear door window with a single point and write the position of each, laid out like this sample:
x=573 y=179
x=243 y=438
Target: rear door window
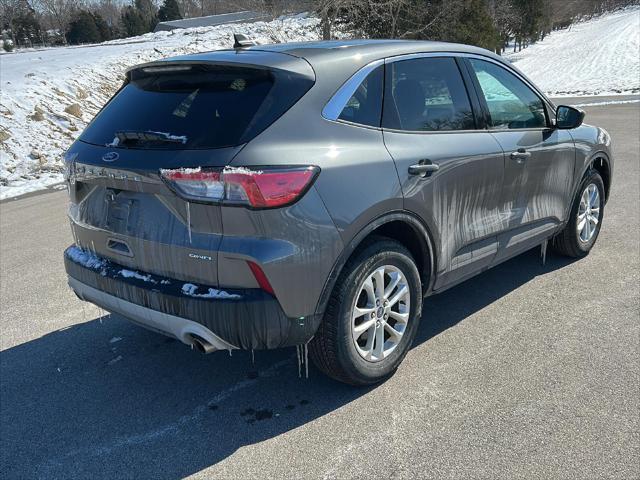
x=511 y=103
x=365 y=105
x=196 y=107
x=426 y=94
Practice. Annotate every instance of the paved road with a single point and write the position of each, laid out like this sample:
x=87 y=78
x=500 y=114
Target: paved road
x=525 y=371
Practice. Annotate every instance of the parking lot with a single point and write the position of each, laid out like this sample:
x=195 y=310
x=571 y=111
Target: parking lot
x=525 y=371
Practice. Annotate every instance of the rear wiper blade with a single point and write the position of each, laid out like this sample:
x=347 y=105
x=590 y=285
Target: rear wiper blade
x=124 y=136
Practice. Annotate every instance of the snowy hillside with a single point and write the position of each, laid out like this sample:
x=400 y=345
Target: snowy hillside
x=597 y=57
x=48 y=96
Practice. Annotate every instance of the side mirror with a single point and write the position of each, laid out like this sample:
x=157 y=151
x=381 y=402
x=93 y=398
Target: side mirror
x=568 y=117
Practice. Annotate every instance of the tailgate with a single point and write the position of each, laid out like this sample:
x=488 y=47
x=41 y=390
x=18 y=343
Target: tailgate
x=130 y=216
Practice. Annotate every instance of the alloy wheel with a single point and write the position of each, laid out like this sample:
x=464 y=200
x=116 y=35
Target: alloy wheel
x=588 y=213
x=380 y=313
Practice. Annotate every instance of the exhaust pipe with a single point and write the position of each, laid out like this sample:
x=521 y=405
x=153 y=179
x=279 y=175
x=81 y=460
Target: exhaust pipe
x=202 y=345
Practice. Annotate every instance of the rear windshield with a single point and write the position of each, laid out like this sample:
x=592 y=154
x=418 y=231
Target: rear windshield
x=195 y=107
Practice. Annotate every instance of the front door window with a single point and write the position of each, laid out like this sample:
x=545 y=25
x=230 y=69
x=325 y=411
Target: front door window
x=511 y=103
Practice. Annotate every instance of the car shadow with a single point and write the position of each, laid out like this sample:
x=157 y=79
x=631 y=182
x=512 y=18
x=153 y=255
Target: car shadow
x=105 y=398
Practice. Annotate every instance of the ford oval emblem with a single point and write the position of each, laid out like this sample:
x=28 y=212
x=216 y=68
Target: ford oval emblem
x=110 y=157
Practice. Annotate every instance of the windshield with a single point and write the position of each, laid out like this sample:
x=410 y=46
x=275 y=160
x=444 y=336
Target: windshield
x=195 y=107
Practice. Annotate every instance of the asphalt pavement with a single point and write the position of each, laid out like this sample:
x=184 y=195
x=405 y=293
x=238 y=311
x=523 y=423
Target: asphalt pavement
x=526 y=371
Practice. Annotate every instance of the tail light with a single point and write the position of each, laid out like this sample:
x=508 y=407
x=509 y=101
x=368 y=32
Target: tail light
x=266 y=188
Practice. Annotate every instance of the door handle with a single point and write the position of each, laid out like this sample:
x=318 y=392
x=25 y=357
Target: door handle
x=424 y=168
x=520 y=155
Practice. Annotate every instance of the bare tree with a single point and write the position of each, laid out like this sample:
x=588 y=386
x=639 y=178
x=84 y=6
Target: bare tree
x=9 y=10
x=272 y=8
x=330 y=10
x=383 y=18
x=58 y=12
x=110 y=10
x=505 y=18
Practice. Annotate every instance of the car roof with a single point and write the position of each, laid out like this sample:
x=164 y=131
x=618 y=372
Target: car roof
x=330 y=50
x=372 y=46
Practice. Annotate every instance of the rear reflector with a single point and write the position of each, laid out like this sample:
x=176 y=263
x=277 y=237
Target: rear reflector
x=265 y=188
x=260 y=277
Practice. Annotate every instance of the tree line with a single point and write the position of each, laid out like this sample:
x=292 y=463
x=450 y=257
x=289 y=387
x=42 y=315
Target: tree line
x=31 y=23
x=492 y=24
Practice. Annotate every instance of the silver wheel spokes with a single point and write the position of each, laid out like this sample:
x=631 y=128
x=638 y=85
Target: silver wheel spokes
x=588 y=213
x=380 y=313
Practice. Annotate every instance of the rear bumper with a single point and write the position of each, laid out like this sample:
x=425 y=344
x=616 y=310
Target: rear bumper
x=238 y=318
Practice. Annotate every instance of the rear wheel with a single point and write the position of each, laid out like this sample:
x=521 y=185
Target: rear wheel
x=581 y=232
x=372 y=315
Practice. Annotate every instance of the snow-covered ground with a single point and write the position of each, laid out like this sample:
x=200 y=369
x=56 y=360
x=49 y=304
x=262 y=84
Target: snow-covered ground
x=596 y=57
x=48 y=96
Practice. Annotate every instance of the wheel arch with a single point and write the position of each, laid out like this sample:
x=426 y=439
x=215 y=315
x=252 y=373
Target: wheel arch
x=600 y=162
x=402 y=226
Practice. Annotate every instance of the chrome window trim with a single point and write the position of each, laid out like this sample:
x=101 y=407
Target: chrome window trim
x=434 y=132
x=333 y=108
x=338 y=101
x=504 y=65
x=414 y=56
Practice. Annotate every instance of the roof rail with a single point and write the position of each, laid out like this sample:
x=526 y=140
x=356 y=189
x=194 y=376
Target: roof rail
x=242 y=41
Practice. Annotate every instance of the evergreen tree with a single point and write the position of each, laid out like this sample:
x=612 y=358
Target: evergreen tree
x=474 y=26
x=534 y=20
x=148 y=13
x=26 y=29
x=133 y=23
x=169 y=11
x=486 y=23
x=83 y=29
x=106 y=33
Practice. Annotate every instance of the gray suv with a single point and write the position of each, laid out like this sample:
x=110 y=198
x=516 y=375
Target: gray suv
x=312 y=194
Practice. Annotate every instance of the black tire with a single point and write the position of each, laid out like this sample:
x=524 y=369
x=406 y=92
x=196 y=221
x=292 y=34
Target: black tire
x=333 y=349
x=567 y=242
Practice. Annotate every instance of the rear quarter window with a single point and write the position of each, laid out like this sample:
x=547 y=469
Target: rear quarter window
x=365 y=105
x=201 y=107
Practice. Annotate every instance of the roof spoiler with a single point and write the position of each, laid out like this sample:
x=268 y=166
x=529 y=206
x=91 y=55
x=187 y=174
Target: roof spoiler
x=242 y=41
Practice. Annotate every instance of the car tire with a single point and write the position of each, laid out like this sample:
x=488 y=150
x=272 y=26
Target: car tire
x=341 y=346
x=580 y=234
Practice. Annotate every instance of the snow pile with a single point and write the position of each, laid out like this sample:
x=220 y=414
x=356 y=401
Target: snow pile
x=48 y=96
x=86 y=259
x=190 y=290
x=137 y=275
x=597 y=57
x=124 y=273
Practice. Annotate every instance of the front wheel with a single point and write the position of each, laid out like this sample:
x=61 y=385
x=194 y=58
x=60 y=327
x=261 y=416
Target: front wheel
x=585 y=221
x=372 y=315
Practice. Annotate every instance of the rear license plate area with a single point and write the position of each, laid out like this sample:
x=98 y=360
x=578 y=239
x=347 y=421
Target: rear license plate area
x=121 y=213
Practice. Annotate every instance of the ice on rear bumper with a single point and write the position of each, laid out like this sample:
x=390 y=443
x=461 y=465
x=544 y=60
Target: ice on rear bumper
x=106 y=268
x=86 y=259
x=244 y=318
